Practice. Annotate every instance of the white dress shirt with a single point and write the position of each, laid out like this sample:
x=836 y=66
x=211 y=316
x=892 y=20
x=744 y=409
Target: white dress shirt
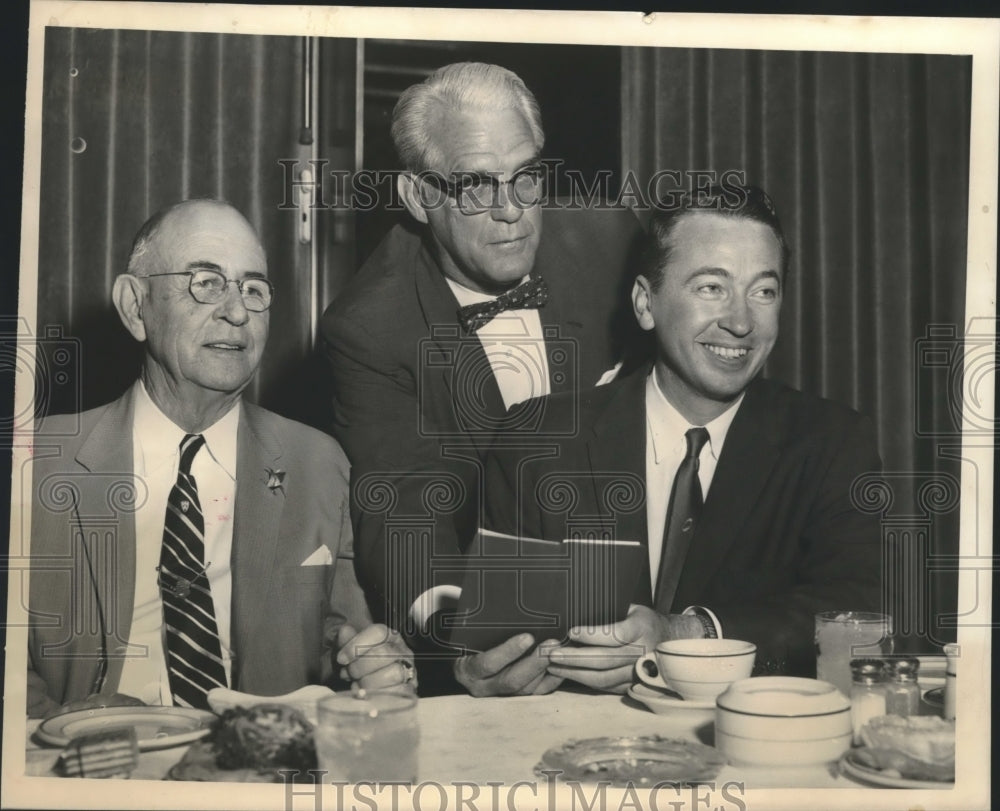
x=666 y=447
x=156 y=456
x=515 y=347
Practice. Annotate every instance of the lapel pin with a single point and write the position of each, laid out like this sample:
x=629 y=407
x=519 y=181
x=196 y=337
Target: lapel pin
x=275 y=480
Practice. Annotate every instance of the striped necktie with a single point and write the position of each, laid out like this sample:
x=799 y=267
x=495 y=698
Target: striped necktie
x=194 y=653
x=682 y=515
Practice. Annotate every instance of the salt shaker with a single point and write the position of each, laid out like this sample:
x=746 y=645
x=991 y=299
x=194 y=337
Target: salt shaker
x=902 y=693
x=951 y=651
x=867 y=693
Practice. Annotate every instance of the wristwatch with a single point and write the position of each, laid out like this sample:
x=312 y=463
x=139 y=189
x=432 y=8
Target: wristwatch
x=706 y=621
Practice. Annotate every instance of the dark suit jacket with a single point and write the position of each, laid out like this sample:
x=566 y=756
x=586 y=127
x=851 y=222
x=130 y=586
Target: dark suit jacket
x=284 y=615
x=416 y=403
x=778 y=540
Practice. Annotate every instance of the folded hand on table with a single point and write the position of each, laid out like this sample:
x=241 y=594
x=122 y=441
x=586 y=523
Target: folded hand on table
x=376 y=658
x=516 y=667
x=603 y=657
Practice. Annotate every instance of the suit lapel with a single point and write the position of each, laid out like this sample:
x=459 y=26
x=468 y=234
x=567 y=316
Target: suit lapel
x=752 y=446
x=561 y=328
x=460 y=354
x=255 y=525
x=617 y=453
x=561 y=319
x=107 y=454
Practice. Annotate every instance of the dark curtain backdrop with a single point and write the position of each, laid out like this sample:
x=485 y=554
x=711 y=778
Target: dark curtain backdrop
x=867 y=158
x=136 y=120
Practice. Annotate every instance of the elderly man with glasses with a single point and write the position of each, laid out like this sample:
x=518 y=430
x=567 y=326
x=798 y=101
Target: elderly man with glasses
x=182 y=539
x=480 y=301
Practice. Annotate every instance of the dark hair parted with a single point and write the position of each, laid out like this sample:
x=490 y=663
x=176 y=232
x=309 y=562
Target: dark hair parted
x=736 y=201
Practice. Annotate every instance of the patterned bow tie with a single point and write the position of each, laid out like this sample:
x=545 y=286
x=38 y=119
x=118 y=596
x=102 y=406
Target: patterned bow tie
x=529 y=295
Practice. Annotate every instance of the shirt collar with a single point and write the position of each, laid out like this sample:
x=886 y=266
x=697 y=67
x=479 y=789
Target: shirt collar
x=667 y=425
x=466 y=296
x=158 y=438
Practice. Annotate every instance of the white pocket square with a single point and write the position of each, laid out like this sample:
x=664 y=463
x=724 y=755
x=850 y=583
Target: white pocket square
x=321 y=557
x=609 y=375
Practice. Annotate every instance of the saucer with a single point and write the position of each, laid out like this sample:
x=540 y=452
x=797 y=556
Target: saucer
x=661 y=702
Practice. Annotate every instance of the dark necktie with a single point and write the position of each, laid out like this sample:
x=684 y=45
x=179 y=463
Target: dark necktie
x=194 y=653
x=682 y=515
x=529 y=295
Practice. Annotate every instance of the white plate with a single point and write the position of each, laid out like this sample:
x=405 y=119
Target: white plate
x=866 y=774
x=155 y=727
x=662 y=702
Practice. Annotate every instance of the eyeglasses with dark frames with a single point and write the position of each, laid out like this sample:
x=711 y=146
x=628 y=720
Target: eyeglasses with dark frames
x=476 y=192
x=208 y=286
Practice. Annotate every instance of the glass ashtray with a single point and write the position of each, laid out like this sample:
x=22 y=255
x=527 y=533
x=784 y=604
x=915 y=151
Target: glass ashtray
x=638 y=761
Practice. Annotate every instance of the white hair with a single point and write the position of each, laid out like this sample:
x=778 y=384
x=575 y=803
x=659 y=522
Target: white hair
x=460 y=86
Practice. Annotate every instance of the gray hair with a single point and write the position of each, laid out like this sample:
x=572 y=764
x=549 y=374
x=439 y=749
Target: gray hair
x=144 y=241
x=460 y=86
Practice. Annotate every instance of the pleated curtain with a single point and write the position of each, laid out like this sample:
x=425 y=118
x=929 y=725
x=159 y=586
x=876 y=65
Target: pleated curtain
x=134 y=121
x=866 y=157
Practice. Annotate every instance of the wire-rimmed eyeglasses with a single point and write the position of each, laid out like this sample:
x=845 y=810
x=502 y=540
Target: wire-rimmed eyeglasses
x=208 y=286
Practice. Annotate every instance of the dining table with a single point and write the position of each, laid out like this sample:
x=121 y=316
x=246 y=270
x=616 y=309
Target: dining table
x=504 y=739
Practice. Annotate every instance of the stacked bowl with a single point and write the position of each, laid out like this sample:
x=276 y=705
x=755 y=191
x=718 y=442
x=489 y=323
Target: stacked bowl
x=782 y=721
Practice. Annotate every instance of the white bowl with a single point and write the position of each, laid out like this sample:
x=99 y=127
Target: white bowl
x=756 y=752
x=782 y=721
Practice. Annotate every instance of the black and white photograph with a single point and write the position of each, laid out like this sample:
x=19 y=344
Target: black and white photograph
x=463 y=409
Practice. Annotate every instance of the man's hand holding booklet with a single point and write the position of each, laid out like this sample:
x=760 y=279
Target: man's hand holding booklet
x=513 y=585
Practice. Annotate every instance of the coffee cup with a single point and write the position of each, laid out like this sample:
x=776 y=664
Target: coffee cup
x=698 y=669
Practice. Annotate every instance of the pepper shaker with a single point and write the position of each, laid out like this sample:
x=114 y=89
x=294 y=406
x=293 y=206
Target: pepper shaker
x=902 y=693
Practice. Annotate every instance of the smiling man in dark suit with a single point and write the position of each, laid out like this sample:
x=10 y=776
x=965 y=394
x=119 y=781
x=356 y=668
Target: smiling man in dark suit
x=482 y=301
x=747 y=511
x=183 y=539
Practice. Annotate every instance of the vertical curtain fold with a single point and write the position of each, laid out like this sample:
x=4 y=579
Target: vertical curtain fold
x=134 y=121
x=866 y=157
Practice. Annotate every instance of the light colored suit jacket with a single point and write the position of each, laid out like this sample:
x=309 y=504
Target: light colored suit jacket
x=285 y=615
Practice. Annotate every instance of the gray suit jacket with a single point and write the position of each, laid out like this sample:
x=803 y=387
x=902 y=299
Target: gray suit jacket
x=284 y=615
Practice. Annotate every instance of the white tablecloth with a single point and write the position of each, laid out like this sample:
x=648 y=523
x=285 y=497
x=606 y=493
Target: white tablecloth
x=484 y=740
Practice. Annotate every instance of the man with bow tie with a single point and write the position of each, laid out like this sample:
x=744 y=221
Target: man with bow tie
x=480 y=302
x=184 y=540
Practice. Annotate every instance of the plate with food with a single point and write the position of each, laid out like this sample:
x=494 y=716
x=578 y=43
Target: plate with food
x=916 y=752
x=251 y=745
x=155 y=727
x=304 y=699
x=632 y=761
